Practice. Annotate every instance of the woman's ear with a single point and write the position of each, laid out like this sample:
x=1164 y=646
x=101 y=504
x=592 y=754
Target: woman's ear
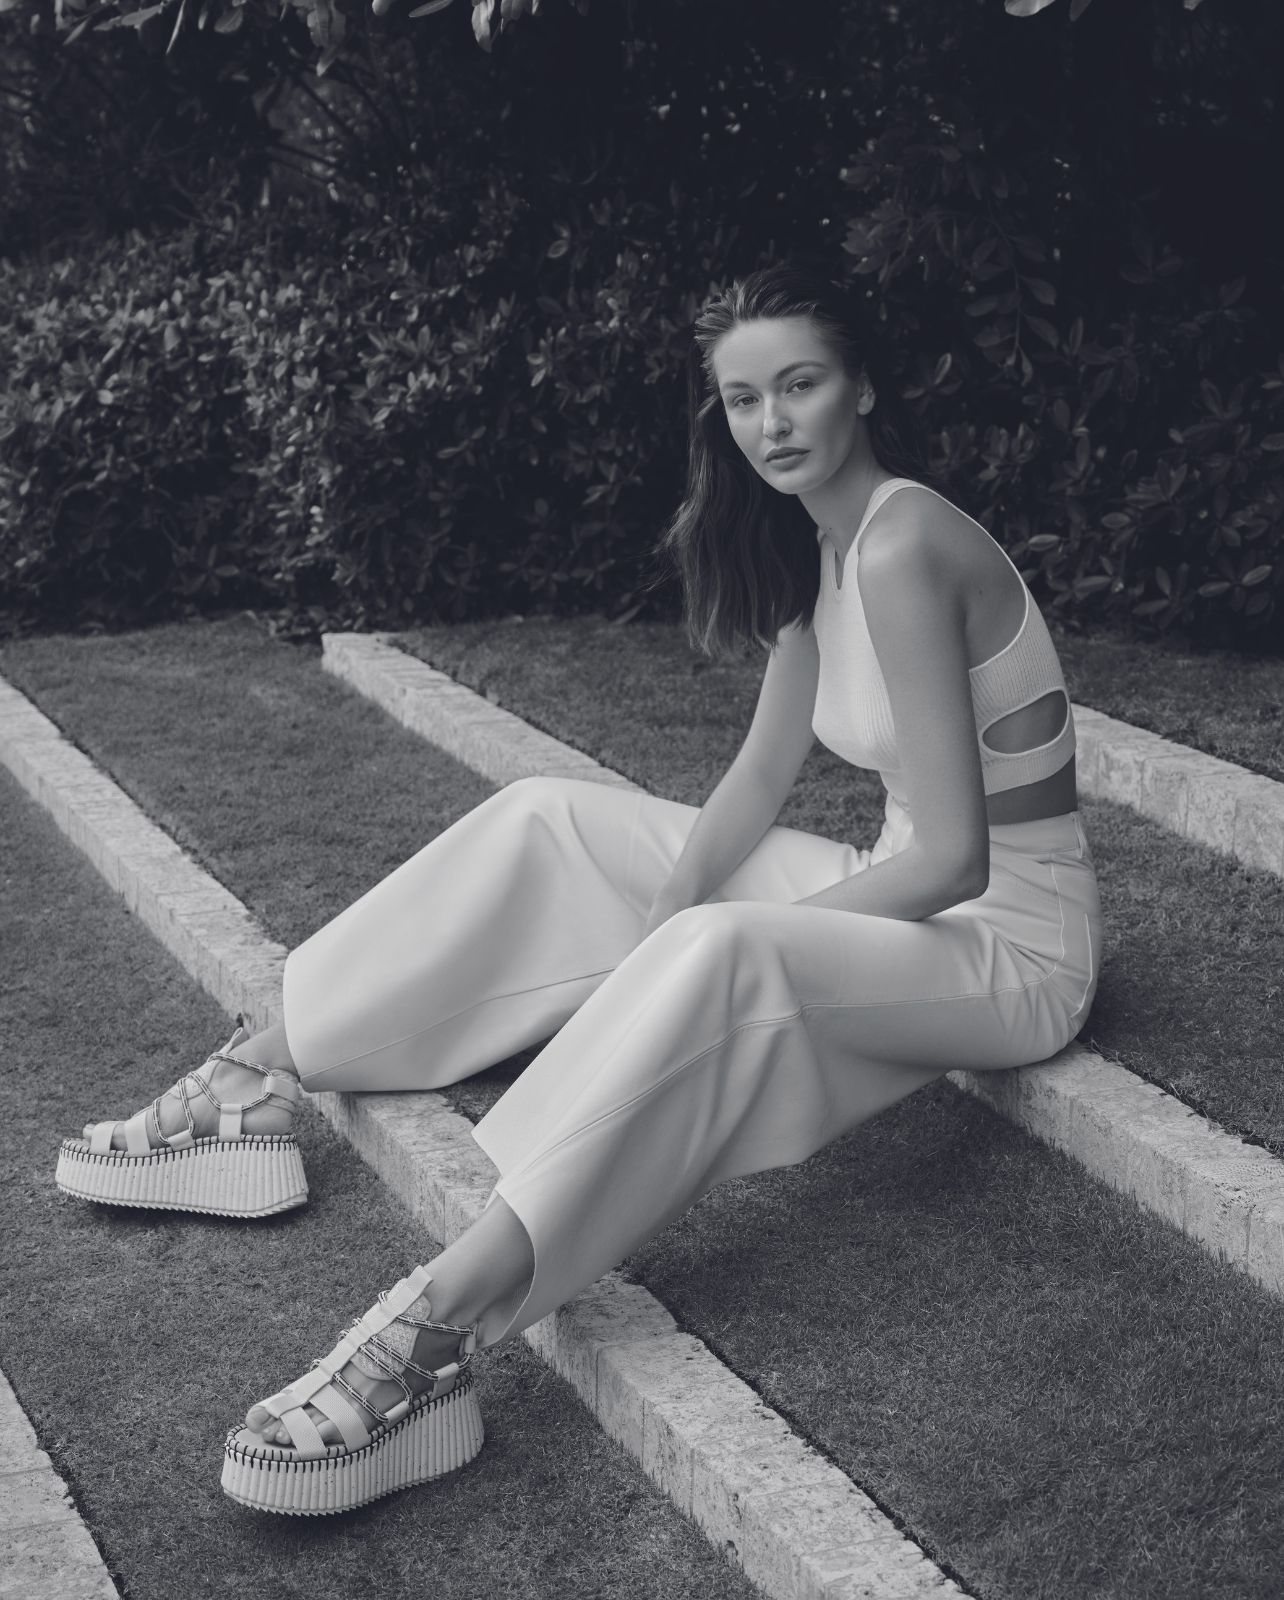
x=865 y=396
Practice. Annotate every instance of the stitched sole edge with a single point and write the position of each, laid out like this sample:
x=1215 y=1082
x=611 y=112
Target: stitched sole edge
x=435 y=1437
x=255 y=1176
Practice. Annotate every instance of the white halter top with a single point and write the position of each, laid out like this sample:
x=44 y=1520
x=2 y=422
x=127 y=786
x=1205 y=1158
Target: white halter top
x=853 y=715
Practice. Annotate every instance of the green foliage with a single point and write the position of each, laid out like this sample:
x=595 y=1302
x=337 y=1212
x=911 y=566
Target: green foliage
x=123 y=488
x=94 y=141
x=439 y=375
x=1131 y=455
x=374 y=441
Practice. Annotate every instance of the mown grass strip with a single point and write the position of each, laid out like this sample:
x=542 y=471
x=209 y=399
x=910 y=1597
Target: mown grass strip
x=1226 y=704
x=1059 y=1396
x=136 y=1339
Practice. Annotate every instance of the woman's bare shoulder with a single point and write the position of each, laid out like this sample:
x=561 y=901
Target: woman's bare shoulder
x=916 y=534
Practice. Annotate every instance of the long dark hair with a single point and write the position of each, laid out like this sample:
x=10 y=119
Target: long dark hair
x=746 y=554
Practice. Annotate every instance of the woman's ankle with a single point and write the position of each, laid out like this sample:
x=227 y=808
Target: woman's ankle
x=269 y=1049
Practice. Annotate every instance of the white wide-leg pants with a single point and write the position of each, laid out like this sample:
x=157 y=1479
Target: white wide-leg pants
x=744 y=1033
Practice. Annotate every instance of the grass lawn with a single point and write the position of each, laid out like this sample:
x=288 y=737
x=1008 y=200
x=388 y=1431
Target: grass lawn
x=1229 y=705
x=1059 y=1396
x=1217 y=701
x=135 y=1339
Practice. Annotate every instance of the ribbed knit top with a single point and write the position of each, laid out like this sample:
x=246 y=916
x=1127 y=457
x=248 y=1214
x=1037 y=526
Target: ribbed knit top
x=853 y=715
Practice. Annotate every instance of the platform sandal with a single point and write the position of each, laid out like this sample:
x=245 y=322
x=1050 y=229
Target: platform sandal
x=229 y=1173
x=423 y=1436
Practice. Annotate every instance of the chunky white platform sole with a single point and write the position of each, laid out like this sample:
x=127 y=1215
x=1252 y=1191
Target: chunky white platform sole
x=250 y=1176
x=433 y=1438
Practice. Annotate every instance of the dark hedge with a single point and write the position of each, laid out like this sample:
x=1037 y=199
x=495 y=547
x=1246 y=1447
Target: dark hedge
x=440 y=377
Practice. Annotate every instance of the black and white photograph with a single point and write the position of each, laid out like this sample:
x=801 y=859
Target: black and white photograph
x=642 y=799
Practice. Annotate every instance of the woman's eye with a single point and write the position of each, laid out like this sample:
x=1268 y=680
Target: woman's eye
x=807 y=383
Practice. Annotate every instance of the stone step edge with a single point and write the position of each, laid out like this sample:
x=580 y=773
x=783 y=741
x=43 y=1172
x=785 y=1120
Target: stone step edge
x=46 y=1551
x=1187 y=1169
x=797 y=1525
x=1197 y=796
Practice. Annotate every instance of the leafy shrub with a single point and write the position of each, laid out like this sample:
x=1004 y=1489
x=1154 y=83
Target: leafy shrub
x=1130 y=454
x=123 y=467
x=449 y=382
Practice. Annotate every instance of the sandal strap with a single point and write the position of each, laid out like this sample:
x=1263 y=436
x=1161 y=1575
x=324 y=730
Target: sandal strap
x=336 y=1402
x=136 y=1131
x=304 y=1433
x=230 y=1112
x=100 y=1137
x=325 y=1387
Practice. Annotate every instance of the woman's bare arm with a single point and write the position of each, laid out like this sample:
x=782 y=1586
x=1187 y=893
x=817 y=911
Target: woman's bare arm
x=748 y=797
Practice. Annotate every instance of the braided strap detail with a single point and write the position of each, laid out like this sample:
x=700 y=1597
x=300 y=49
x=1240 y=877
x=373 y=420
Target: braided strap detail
x=366 y=1341
x=229 y=1112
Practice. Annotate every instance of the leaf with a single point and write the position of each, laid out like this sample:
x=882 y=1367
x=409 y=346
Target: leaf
x=1045 y=330
x=1257 y=575
x=178 y=23
x=1025 y=8
x=433 y=5
x=1214 y=587
x=135 y=19
x=85 y=22
x=1042 y=291
x=1273 y=441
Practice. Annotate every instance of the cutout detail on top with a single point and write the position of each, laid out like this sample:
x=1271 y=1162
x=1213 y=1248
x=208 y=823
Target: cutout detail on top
x=1042 y=721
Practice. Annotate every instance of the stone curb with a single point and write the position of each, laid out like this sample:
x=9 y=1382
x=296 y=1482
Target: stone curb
x=799 y=1527
x=1216 y=803
x=1222 y=1192
x=46 y=1552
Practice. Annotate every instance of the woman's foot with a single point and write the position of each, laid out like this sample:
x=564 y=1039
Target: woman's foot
x=218 y=1142
x=393 y=1404
x=362 y=1379
x=396 y=1352
x=222 y=1080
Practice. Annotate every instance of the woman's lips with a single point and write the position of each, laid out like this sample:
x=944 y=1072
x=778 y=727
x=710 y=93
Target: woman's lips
x=786 y=460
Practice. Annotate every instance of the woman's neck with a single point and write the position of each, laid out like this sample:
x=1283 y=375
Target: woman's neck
x=838 y=507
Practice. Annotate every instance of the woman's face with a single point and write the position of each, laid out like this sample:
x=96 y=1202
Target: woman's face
x=784 y=388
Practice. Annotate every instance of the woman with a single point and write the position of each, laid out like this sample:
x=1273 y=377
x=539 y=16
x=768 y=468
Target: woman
x=726 y=994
